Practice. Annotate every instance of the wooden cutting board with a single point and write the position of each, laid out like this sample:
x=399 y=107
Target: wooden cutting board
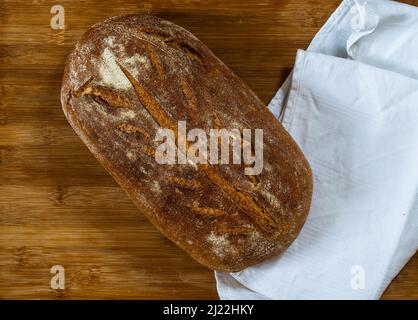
x=57 y=204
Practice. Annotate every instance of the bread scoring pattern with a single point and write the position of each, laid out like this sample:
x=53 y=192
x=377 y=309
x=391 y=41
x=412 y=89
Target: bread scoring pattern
x=132 y=75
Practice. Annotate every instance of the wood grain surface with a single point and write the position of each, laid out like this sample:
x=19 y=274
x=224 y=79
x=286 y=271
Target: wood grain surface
x=57 y=204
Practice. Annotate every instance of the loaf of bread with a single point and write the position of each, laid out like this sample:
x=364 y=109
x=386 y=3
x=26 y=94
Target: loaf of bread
x=132 y=75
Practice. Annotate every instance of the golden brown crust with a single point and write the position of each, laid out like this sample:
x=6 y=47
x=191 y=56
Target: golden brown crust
x=130 y=75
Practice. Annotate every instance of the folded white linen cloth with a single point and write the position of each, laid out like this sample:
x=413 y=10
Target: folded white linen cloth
x=356 y=122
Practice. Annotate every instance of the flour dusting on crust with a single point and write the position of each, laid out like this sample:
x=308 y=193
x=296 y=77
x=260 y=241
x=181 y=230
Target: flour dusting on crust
x=220 y=244
x=110 y=72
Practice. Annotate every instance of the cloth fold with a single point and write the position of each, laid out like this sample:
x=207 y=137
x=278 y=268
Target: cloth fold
x=356 y=123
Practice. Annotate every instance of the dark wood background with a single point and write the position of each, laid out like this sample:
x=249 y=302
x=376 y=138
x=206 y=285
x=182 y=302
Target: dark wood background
x=57 y=204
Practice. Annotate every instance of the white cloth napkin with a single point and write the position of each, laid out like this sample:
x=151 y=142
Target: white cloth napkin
x=351 y=103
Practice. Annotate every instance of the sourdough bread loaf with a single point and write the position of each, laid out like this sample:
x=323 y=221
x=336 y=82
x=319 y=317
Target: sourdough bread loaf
x=131 y=75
